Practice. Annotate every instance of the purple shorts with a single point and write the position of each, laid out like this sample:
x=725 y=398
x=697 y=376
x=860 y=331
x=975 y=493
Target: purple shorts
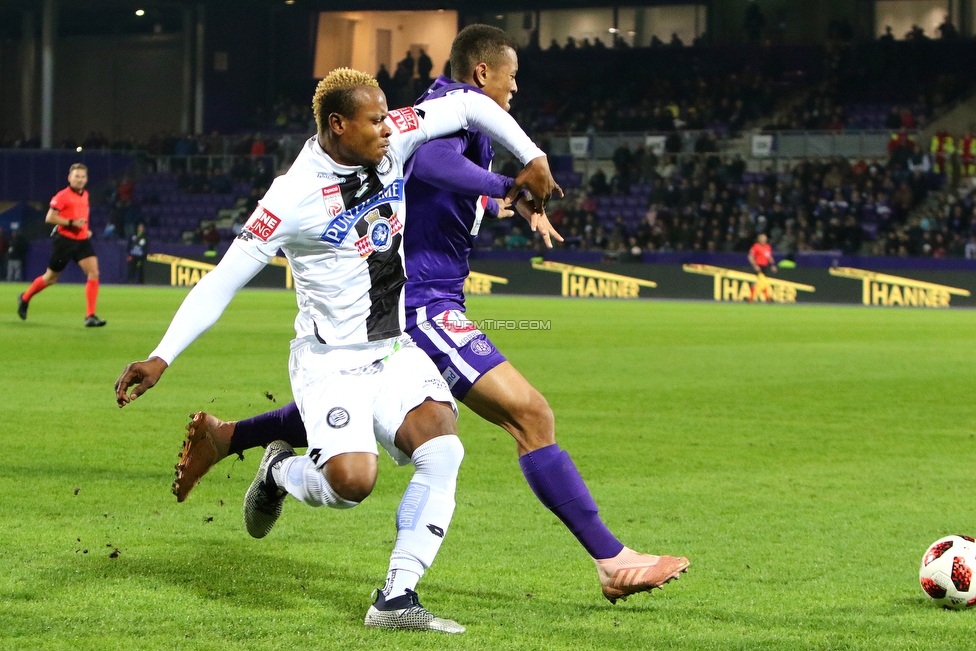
x=461 y=352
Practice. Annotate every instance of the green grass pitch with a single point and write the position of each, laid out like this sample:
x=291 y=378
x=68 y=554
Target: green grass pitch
x=803 y=457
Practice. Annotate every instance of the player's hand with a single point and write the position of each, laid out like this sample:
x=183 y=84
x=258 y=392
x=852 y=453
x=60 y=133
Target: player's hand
x=504 y=210
x=538 y=222
x=537 y=179
x=142 y=375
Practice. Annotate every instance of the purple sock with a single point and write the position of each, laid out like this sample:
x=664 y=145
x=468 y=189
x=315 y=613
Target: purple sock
x=554 y=479
x=283 y=424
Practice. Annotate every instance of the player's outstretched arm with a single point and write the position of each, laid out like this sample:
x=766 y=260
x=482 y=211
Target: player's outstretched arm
x=142 y=375
x=469 y=111
x=441 y=163
x=200 y=309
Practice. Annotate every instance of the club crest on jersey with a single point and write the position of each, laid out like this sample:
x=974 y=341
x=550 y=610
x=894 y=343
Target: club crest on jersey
x=342 y=223
x=404 y=119
x=379 y=234
x=262 y=224
x=332 y=196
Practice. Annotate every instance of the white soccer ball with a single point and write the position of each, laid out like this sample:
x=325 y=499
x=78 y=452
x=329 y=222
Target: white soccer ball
x=947 y=569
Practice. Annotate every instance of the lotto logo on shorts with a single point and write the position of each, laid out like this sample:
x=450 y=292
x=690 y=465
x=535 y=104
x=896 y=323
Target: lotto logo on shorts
x=404 y=119
x=262 y=224
x=332 y=196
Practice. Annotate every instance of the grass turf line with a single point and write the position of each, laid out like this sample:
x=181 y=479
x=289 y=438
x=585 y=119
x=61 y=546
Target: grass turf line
x=802 y=457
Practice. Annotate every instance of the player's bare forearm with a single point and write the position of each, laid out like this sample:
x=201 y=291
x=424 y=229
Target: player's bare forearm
x=141 y=376
x=535 y=177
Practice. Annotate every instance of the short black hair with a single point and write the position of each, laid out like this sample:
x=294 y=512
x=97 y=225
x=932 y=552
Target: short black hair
x=475 y=44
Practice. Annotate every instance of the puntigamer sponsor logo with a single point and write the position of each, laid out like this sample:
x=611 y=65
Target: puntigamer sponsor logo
x=580 y=281
x=341 y=224
x=732 y=285
x=895 y=291
x=480 y=284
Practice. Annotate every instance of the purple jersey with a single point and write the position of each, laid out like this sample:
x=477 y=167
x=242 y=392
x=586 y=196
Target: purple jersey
x=439 y=239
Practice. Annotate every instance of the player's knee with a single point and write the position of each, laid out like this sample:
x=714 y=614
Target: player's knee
x=93 y=274
x=351 y=483
x=442 y=421
x=424 y=423
x=535 y=422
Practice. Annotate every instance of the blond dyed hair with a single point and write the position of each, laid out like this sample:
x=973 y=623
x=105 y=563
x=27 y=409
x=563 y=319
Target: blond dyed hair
x=334 y=93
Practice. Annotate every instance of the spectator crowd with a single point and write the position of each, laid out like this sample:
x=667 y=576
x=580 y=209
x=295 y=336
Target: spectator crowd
x=673 y=201
x=710 y=203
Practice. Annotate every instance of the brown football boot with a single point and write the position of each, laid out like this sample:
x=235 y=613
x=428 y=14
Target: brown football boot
x=629 y=572
x=207 y=442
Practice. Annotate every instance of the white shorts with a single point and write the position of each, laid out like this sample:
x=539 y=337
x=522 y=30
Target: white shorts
x=351 y=410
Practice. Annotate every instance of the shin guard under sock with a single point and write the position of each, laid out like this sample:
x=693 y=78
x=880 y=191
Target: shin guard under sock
x=554 y=479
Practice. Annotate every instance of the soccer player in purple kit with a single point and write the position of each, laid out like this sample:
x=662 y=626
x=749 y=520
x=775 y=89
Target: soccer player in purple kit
x=445 y=178
x=360 y=383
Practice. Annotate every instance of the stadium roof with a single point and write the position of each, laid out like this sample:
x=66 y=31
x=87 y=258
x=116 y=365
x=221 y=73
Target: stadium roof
x=95 y=6
x=118 y=16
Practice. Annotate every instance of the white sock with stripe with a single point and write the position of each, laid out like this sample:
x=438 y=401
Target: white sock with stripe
x=425 y=512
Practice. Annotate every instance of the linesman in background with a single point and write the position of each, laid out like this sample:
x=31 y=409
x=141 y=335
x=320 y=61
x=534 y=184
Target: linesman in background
x=69 y=213
x=761 y=259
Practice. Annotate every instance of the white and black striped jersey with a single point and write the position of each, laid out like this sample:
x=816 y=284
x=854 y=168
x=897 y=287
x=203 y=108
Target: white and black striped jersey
x=341 y=229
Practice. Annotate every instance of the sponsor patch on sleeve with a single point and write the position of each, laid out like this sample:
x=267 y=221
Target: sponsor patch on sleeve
x=262 y=224
x=405 y=119
x=332 y=196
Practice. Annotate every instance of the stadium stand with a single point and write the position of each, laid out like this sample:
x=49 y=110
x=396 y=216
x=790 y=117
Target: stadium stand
x=701 y=98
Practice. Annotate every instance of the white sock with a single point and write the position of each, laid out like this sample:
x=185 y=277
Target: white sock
x=399 y=581
x=306 y=483
x=425 y=512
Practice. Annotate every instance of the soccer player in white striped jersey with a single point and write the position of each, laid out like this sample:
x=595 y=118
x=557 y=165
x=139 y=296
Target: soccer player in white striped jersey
x=444 y=180
x=338 y=215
